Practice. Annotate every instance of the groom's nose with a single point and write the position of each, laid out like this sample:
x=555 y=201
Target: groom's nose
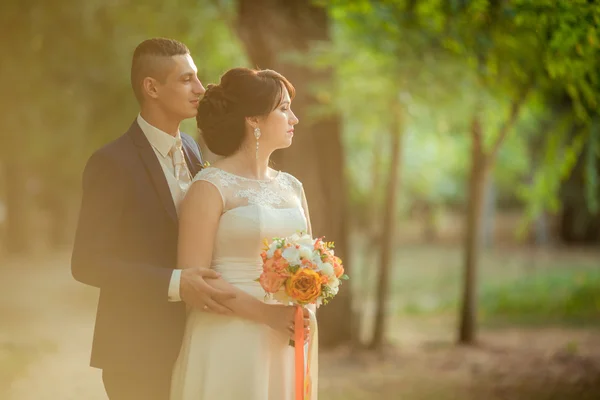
x=198 y=88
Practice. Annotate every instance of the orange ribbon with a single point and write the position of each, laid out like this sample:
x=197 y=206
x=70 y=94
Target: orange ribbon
x=299 y=352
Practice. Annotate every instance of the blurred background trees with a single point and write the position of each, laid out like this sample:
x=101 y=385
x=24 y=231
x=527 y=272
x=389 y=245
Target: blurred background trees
x=413 y=114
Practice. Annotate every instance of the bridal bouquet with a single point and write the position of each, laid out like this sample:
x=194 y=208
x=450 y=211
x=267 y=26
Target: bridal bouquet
x=301 y=270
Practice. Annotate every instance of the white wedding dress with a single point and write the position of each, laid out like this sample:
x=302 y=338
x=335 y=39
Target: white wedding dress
x=228 y=358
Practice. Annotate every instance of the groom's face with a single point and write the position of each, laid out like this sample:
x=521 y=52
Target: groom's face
x=179 y=94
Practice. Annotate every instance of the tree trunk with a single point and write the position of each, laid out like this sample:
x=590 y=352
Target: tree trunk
x=489 y=213
x=17 y=221
x=477 y=181
x=369 y=249
x=481 y=165
x=387 y=234
x=269 y=29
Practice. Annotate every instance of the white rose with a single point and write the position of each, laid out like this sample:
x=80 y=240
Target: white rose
x=327 y=269
x=270 y=253
x=334 y=283
x=306 y=240
x=294 y=237
x=316 y=257
x=292 y=255
x=305 y=252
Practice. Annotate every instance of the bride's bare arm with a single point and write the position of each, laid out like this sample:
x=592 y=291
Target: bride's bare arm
x=312 y=307
x=199 y=217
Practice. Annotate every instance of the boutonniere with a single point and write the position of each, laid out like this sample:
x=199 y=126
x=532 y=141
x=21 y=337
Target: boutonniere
x=204 y=165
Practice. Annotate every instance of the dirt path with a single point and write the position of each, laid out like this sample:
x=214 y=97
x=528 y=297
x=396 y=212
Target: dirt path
x=47 y=332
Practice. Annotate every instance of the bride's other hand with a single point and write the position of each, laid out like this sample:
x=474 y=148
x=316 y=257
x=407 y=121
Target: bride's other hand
x=282 y=319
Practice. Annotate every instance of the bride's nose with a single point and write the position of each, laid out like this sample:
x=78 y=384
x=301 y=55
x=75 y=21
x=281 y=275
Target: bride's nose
x=294 y=120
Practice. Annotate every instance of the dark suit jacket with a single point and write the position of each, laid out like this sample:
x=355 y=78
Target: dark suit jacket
x=126 y=245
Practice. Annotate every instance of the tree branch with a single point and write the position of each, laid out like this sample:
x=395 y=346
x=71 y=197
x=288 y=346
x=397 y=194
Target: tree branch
x=515 y=109
x=476 y=134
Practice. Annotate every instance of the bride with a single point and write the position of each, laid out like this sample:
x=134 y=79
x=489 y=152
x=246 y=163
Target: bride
x=229 y=210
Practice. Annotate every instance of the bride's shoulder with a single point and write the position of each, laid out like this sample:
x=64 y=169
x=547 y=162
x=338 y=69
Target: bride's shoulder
x=211 y=174
x=206 y=172
x=290 y=180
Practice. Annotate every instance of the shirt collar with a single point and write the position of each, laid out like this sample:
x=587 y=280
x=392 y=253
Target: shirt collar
x=160 y=140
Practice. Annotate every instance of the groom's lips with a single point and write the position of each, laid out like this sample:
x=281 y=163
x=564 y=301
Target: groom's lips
x=195 y=102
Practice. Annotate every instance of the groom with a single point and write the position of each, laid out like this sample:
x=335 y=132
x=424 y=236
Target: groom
x=126 y=240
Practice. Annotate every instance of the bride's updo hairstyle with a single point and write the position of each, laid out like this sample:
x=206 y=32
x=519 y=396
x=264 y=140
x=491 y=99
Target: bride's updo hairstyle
x=242 y=93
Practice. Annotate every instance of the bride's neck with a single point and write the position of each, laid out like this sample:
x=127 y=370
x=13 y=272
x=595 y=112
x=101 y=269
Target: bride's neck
x=250 y=166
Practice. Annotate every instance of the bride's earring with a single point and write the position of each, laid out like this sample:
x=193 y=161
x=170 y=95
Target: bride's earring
x=257 y=136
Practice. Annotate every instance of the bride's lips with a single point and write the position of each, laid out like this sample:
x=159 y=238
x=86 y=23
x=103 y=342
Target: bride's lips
x=195 y=102
x=291 y=132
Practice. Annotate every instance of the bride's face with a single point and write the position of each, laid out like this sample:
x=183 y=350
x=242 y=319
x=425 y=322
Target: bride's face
x=277 y=129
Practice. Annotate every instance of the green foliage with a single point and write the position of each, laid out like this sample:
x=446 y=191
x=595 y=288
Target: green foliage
x=453 y=58
x=568 y=295
x=569 y=30
x=560 y=157
x=592 y=157
x=515 y=288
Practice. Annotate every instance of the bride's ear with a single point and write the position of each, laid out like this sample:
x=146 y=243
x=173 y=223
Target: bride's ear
x=252 y=122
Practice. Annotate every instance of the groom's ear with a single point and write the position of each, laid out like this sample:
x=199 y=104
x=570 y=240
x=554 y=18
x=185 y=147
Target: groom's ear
x=149 y=86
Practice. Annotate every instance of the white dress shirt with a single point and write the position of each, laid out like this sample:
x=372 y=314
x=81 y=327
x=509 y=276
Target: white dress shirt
x=162 y=143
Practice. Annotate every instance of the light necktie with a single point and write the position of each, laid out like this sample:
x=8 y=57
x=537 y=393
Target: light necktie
x=181 y=171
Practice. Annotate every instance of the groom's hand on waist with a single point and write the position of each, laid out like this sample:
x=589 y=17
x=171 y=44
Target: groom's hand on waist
x=198 y=293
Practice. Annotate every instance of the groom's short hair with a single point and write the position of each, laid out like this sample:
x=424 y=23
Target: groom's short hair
x=151 y=58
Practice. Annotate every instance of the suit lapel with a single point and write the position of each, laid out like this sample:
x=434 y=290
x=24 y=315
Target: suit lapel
x=154 y=169
x=193 y=160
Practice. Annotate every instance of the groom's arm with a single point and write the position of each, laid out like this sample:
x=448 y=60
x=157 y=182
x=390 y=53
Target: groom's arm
x=94 y=260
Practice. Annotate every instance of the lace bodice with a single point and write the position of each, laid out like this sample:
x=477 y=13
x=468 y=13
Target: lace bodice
x=282 y=191
x=253 y=210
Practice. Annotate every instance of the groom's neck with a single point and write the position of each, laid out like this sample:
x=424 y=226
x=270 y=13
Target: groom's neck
x=161 y=121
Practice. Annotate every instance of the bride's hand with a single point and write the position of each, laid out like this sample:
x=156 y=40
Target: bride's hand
x=282 y=319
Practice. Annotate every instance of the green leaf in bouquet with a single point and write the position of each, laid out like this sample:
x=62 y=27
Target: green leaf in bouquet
x=344 y=277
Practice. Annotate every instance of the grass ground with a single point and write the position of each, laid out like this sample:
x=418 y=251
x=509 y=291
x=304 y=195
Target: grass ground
x=47 y=321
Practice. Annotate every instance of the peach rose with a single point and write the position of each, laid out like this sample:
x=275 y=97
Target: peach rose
x=271 y=282
x=304 y=286
x=268 y=265
x=280 y=265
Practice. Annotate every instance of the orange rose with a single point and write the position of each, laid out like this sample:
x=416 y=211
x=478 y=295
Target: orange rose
x=338 y=268
x=271 y=282
x=304 y=286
